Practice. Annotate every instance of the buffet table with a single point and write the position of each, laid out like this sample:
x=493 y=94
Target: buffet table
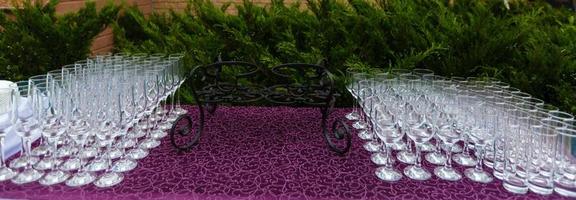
x=263 y=153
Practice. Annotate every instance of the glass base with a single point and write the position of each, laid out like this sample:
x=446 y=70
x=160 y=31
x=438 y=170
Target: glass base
x=40 y=150
x=445 y=173
x=124 y=165
x=114 y=153
x=97 y=165
x=180 y=111
x=47 y=163
x=406 y=157
x=464 y=160
x=427 y=147
x=89 y=152
x=66 y=151
x=478 y=175
x=398 y=146
x=127 y=143
x=372 y=146
x=488 y=163
x=515 y=188
x=456 y=149
x=388 y=174
x=352 y=116
x=7 y=173
x=27 y=176
x=70 y=165
x=21 y=162
x=542 y=185
x=498 y=170
x=359 y=125
x=378 y=158
x=417 y=173
x=565 y=187
x=149 y=143
x=164 y=126
x=80 y=179
x=136 y=134
x=435 y=158
x=54 y=177
x=137 y=153
x=158 y=134
x=365 y=135
x=172 y=118
x=109 y=179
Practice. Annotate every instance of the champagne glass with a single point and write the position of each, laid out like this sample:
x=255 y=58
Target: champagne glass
x=27 y=127
x=7 y=98
x=181 y=73
x=127 y=109
x=55 y=175
x=47 y=121
x=448 y=135
x=106 y=134
x=38 y=84
x=152 y=93
x=420 y=134
x=388 y=132
x=22 y=103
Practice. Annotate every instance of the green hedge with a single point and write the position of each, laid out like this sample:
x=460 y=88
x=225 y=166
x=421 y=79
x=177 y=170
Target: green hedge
x=35 y=40
x=532 y=46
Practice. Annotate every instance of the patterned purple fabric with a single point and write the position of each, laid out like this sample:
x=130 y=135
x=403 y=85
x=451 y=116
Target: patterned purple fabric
x=263 y=153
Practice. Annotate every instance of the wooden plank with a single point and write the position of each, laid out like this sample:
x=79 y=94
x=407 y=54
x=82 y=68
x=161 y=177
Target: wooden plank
x=106 y=49
x=74 y=5
x=103 y=41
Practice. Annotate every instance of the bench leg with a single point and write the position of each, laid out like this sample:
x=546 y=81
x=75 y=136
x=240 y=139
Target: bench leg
x=340 y=133
x=183 y=134
x=211 y=107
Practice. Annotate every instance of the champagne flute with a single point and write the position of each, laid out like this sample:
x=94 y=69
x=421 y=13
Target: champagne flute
x=7 y=98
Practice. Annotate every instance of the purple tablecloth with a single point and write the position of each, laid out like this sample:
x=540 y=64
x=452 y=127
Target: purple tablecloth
x=263 y=153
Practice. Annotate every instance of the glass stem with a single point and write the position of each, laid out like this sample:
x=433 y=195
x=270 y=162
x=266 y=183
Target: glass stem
x=27 y=148
x=172 y=99
x=2 y=163
x=448 y=162
x=79 y=155
x=54 y=152
x=409 y=145
x=149 y=128
x=108 y=157
x=178 y=101
x=438 y=148
x=480 y=157
x=388 y=163
x=418 y=159
x=465 y=150
x=354 y=106
x=123 y=139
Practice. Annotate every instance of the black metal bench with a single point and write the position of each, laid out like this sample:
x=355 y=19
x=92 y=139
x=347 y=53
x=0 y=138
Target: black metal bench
x=243 y=82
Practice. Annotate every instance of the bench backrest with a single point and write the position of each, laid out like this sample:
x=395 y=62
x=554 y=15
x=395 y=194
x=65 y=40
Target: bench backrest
x=244 y=82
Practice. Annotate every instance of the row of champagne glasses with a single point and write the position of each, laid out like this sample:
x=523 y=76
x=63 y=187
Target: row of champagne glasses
x=529 y=145
x=95 y=118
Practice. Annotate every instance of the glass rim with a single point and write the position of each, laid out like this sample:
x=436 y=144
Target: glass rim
x=400 y=71
x=535 y=101
x=422 y=71
x=458 y=79
x=569 y=131
x=561 y=115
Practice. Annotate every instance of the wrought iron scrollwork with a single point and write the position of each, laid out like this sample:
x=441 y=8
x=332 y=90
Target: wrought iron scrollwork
x=340 y=132
x=243 y=82
x=183 y=134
